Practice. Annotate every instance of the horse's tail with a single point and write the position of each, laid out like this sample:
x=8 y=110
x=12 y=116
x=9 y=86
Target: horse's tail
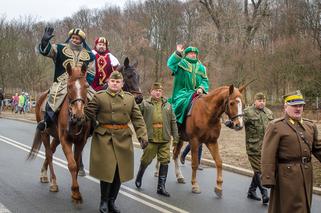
x=35 y=145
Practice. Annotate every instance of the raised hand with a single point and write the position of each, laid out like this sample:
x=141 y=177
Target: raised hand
x=180 y=48
x=47 y=35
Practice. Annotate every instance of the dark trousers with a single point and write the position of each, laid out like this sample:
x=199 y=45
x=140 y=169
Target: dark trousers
x=188 y=148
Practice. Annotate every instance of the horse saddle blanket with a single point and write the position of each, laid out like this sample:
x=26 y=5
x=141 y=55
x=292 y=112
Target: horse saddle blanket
x=191 y=104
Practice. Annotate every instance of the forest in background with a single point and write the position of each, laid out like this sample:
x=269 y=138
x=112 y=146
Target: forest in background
x=276 y=42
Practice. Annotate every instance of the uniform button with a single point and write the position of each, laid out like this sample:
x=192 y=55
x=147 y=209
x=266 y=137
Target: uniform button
x=305 y=150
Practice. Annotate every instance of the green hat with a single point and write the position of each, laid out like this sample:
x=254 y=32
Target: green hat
x=294 y=98
x=157 y=85
x=259 y=96
x=116 y=75
x=191 y=49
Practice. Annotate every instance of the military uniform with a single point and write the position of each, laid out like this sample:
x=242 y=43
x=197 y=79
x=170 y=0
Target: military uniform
x=286 y=161
x=256 y=121
x=112 y=151
x=161 y=125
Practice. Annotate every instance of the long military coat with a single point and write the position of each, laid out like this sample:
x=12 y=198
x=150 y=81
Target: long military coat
x=189 y=76
x=110 y=147
x=291 y=181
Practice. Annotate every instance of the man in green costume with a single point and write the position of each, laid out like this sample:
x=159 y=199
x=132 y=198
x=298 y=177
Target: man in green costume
x=189 y=78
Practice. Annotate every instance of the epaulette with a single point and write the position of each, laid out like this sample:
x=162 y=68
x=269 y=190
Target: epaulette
x=128 y=93
x=278 y=120
x=101 y=91
x=308 y=120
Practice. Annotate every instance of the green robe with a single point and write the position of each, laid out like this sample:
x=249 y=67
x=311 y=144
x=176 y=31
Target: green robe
x=189 y=75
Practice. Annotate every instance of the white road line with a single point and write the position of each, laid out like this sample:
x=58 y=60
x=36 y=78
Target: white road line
x=63 y=164
x=3 y=209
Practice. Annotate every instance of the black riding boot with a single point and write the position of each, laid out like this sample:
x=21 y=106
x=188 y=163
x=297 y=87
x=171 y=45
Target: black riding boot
x=163 y=169
x=252 y=190
x=139 y=177
x=113 y=193
x=264 y=191
x=104 y=193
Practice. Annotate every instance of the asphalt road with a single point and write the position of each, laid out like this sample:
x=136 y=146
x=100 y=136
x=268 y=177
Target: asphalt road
x=21 y=191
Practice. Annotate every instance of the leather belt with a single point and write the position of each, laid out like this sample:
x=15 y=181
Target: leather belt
x=302 y=160
x=157 y=125
x=115 y=126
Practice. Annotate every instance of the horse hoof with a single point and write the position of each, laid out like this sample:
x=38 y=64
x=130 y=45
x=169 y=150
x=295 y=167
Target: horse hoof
x=54 y=188
x=218 y=192
x=196 y=190
x=44 y=180
x=155 y=174
x=76 y=200
x=181 y=180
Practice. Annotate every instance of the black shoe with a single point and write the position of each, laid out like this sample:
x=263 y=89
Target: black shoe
x=104 y=193
x=163 y=169
x=252 y=195
x=42 y=125
x=139 y=177
x=103 y=208
x=264 y=191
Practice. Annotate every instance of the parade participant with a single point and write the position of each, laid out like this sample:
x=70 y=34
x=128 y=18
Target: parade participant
x=256 y=119
x=286 y=158
x=161 y=125
x=111 y=154
x=105 y=64
x=189 y=78
x=74 y=51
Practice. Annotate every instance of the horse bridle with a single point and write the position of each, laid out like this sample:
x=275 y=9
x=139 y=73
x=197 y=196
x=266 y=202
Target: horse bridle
x=227 y=110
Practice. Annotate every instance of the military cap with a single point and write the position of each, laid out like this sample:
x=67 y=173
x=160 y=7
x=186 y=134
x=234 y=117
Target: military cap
x=294 y=98
x=259 y=96
x=157 y=85
x=191 y=49
x=77 y=31
x=116 y=75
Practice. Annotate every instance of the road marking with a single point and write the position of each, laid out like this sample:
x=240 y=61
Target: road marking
x=3 y=209
x=63 y=164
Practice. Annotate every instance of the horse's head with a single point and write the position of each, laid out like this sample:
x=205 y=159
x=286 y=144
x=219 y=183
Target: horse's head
x=131 y=79
x=77 y=93
x=234 y=108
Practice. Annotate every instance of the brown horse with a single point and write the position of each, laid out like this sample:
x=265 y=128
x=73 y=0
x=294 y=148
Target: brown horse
x=204 y=126
x=71 y=128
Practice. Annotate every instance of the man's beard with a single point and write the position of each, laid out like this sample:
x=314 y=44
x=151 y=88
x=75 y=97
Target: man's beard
x=101 y=50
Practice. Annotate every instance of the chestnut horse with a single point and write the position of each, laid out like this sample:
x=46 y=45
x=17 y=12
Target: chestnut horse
x=203 y=125
x=71 y=128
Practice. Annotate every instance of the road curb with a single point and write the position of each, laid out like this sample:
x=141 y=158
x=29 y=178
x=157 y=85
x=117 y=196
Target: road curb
x=207 y=162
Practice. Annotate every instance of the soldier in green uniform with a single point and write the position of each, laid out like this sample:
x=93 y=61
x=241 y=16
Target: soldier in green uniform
x=288 y=145
x=161 y=125
x=112 y=151
x=256 y=119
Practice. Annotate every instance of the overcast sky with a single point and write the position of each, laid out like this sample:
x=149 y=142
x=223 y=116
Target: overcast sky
x=50 y=10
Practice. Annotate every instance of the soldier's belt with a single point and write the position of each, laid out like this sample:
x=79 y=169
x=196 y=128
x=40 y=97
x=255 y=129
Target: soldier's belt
x=302 y=160
x=158 y=125
x=115 y=126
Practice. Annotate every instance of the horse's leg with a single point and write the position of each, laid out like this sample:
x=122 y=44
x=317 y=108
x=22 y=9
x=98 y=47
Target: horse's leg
x=49 y=147
x=176 y=152
x=43 y=173
x=214 y=150
x=194 y=152
x=72 y=166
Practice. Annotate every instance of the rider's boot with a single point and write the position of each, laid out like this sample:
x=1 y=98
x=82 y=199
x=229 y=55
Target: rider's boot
x=252 y=190
x=163 y=169
x=104 y=193
x=139 y=177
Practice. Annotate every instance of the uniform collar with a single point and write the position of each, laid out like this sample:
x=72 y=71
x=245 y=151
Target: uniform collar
x=294 y=122
x=152 y=101
x=113 y=94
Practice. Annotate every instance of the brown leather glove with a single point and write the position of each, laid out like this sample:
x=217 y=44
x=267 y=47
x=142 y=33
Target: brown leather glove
x=143 y=143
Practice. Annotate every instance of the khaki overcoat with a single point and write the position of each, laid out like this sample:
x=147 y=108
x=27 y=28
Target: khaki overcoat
x=285 y=144
x=110 y=147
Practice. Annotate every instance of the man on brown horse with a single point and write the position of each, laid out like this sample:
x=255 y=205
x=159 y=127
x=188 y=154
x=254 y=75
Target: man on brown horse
x=190 y=79
x=105 y=64
x=74 y=51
